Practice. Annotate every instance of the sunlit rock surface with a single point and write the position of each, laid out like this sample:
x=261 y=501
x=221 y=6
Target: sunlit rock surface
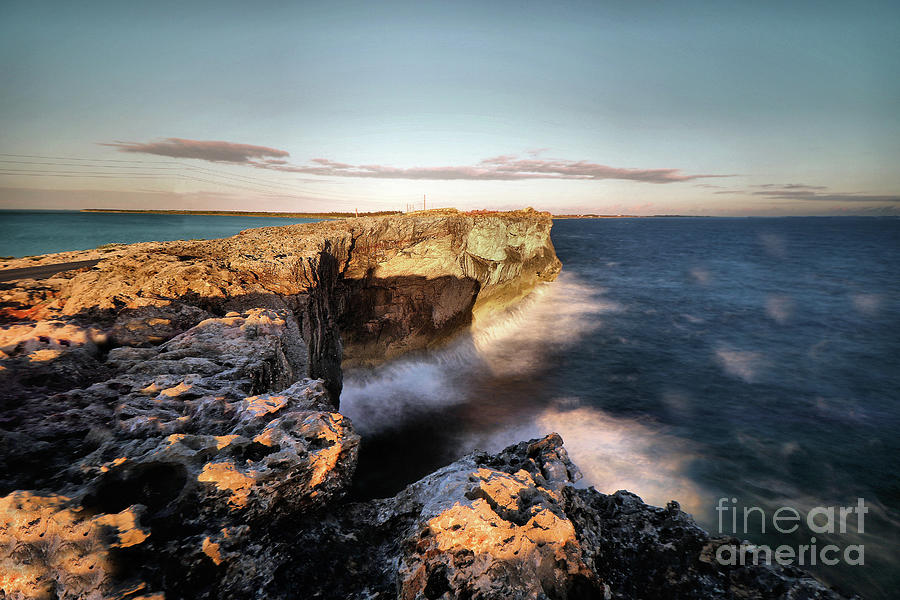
x=197 y=445
x=49 y=548
x=485 y=532
x=410 y=283
x=381 y=285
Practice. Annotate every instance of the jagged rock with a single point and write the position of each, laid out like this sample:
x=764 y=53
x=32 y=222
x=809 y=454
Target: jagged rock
x=484 y=533
x=176 y=442
x=643 y=551
x=48 y=548
x=411 y=283
x=259 y=456
x=154 y=324
x=512 y=525
x=39 y=358
x=483 y=527
x=182 y=386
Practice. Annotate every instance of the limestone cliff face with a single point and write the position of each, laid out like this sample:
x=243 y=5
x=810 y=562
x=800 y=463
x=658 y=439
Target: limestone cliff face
x=359 y=289
x=411 y=283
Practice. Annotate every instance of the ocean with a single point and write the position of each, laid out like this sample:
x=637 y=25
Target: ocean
x=754 y=360
x=31 y=232
x=722 y=362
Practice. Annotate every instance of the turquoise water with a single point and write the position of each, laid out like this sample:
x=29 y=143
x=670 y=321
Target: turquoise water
x=30 y=232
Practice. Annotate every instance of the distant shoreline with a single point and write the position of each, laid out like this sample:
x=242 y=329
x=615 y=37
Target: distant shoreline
x=333 y=215
x=344 y=215
x=631 y=216
x=242 y=213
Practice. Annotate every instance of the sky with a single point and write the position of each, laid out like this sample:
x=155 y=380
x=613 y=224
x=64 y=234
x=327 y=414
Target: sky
x=699 y=108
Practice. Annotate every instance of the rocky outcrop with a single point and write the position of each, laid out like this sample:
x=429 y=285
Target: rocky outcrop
x=513 y=526
x=51 y=549
x=154 y=478
x=167 y=410
x=360 y=289
x=406 y=289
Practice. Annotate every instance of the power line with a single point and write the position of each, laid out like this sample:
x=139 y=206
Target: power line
x=142 y=162
x=141 y=165
x=101 y=175
x=107 y=175
x=128 y=166
x=32 y=162
x=158 y=165
x=71 y=158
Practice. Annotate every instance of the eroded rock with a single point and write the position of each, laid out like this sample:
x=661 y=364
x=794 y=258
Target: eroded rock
x=512 y=525
x=182 y=386
x=205 y=441
x=191 y=500
x=483 y=527
x=52 y=548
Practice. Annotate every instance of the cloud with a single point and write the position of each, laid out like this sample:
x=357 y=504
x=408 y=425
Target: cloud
x=213 y=151
x=498 y=168
x=818 y=193
x=790 y=186
x=506 y=167
x=829 y=196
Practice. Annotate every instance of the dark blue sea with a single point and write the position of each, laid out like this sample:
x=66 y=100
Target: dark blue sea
x=31 y=232
x=755 y=361
x=690 y=359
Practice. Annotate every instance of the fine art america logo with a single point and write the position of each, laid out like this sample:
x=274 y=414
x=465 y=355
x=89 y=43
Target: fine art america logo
x=821 y=520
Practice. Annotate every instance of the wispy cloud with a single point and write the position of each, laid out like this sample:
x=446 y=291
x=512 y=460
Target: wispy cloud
x=818 y=193
x=831 y=196
x=506 y=167
x=213 y=151
x=789 y=186
x=498 y=168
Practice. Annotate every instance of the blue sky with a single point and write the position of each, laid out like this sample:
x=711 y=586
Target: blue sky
x=632 y=107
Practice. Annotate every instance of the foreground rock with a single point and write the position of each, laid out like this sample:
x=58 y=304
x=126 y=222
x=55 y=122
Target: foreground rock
x=512 y=526
x=152 y=477
x=505 y=526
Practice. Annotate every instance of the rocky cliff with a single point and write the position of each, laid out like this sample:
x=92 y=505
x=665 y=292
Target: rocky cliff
x=360 y=290
x=170 y=428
